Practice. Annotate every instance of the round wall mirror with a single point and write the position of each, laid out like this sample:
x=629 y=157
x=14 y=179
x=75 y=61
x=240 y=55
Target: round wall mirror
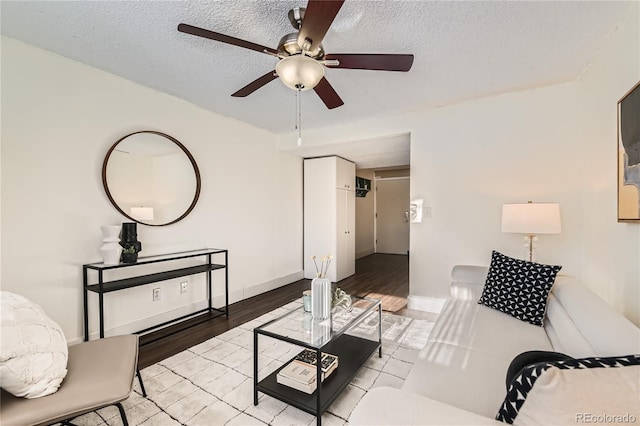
x=151 y=178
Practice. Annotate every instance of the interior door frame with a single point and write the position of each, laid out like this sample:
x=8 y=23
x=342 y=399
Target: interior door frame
x=375 y=207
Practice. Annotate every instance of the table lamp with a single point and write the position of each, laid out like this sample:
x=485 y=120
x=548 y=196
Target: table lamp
x=531 y=219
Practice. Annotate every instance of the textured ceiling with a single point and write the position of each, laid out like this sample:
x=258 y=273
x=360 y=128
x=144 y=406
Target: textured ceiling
x=385 y=151
x=462 y=49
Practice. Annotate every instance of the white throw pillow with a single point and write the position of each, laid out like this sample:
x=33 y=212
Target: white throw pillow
x=594 y=395
x=33 y=353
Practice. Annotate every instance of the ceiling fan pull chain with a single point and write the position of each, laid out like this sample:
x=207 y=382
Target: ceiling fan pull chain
x=299 y=117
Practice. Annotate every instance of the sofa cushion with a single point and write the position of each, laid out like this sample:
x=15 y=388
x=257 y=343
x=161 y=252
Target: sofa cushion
x=518 y=288
x=410 y=409
x=559 y=391
x=465 y=360
x=467 y=324
x=33 y=354
x=468 y=379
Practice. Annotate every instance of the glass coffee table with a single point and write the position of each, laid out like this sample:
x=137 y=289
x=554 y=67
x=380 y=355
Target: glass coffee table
x=353 y=336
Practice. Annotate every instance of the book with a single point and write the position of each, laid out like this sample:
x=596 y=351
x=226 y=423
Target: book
x=329 y=362
x=298 y=376
x=301 y=372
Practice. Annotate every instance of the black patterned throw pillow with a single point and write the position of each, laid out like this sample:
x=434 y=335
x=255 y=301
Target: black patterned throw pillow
x=524 y=382
x=518 y=287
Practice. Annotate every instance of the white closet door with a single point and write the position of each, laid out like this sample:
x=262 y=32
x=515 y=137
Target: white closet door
x=346 y=249
x=319 y=215
x=345 y=174
x=350 y=243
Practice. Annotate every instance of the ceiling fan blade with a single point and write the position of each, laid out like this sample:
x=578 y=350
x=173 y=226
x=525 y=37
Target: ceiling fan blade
x=377 y=62
x=328 y=94
x=255 y=85
x=317 y=19
x=200 y=32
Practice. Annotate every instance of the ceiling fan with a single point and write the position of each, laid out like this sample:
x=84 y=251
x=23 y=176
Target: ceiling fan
x=301 y=57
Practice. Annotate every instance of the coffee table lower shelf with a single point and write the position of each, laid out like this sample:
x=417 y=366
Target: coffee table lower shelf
x=353 y=352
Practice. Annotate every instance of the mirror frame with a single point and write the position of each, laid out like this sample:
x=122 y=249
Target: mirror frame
x=186 y=152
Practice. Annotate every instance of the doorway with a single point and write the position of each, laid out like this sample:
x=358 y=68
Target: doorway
x=392 y=215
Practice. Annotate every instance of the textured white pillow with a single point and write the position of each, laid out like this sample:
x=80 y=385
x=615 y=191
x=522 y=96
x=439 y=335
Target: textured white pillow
x=579 y=396
x=33 y=353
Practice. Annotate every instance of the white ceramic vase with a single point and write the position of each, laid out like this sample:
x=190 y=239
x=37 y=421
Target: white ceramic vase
x=321 y=298
x=111 y=249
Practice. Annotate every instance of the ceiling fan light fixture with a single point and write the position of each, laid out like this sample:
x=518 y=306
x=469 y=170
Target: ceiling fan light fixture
x=302 y=59
x=300 y=72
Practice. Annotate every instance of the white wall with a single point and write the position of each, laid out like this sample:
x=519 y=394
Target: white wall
x=59 y=118
x=555 y=144
x=617 y=276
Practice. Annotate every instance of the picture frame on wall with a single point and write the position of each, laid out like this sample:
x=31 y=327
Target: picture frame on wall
x=629 y=156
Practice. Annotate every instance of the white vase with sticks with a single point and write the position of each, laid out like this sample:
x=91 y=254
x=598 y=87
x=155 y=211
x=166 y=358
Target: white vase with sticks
x=321 y=290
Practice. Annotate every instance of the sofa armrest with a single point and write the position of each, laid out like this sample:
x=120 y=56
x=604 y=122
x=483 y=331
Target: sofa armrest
x=469 y=274
x=467 y=281
x=466 y=291
x=390 y=406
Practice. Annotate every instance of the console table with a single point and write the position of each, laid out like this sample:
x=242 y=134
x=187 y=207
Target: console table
x=102 y=287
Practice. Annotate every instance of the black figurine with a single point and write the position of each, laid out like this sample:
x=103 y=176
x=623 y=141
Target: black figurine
x=129 y=242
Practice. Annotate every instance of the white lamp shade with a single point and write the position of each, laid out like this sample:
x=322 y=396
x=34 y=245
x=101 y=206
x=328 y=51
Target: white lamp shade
x=300 y=72
x=142 y=213
x=531 y=218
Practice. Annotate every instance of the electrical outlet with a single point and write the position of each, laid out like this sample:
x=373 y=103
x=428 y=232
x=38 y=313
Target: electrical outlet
x=156 y=294
x=184 y=287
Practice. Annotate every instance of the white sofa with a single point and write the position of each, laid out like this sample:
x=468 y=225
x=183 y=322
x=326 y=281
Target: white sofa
x=459 y=376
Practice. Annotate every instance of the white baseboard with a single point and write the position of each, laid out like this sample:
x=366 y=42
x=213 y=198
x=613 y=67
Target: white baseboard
x=365 y=253
x=427 y=304
x=218 y=301
x=143 y=323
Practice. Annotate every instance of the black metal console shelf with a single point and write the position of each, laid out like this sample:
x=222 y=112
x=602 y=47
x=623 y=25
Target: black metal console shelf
x=102 y=286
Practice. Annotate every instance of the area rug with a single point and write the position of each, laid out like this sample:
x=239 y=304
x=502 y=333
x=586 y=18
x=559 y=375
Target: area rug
x=212 y=383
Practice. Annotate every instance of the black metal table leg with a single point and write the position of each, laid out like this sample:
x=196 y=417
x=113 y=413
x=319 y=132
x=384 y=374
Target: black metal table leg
x=226 y=281
x=318 y=386
x=210 y=290
x=101 y=302
x=85 y=296
x=255 y=367
x=380 y=330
